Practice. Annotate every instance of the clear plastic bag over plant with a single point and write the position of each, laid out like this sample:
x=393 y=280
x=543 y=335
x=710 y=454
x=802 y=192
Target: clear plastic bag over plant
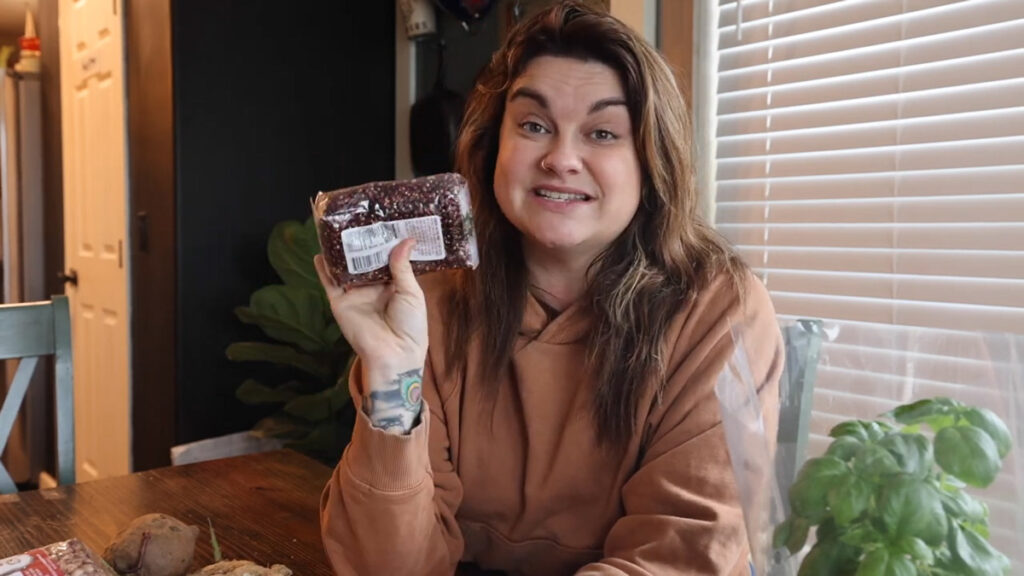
x=359 y=226
x=898 y=412
x=940 y=379
x=751 y=455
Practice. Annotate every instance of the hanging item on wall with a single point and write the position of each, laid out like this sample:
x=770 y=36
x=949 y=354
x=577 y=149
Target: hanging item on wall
x=515 y=11
x=434 y=125
x=420 y=18
x=467 y=11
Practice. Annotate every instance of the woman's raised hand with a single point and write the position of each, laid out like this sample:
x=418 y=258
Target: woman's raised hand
x=386 y=324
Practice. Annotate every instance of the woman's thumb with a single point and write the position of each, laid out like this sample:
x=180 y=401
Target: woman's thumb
x=401 y=270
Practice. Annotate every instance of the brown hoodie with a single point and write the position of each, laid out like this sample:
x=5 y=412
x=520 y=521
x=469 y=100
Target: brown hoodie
x=526 y=489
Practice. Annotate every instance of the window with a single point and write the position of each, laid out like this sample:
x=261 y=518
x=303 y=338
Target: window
x=868 y=163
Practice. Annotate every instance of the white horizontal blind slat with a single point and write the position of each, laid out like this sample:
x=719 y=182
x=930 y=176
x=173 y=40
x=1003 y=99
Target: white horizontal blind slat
x=943 y=182
x=1007 y=264
x=994 y=95
x=986 y=124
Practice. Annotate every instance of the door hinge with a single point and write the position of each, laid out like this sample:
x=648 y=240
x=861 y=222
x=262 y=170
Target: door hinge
x=120 y=253
x=115 y=6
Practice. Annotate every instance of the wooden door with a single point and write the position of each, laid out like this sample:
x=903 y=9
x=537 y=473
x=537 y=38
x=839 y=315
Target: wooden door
x=95 y=231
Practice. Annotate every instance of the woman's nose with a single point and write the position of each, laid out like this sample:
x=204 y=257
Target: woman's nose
x=562 y=158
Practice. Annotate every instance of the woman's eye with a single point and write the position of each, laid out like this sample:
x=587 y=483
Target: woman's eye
x=603 y=135
x=533 y=127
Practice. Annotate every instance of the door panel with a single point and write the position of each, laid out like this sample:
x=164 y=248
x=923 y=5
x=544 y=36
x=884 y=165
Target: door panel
x=95 y=230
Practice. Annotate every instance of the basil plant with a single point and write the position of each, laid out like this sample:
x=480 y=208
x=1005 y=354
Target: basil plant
x=889 y=500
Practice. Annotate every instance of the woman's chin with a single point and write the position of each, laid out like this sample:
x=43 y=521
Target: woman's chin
x=555 y=244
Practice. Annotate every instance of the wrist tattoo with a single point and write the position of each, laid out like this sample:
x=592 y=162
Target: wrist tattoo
x=397 y=407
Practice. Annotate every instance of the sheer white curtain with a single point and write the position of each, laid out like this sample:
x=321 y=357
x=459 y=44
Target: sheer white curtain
x=869 y=164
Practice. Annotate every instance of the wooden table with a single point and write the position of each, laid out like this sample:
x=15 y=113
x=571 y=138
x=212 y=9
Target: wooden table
x=264 y=508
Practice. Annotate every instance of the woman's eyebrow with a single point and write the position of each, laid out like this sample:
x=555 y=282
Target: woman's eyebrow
x=524 y=92
x=531 y=94
x=606 y=102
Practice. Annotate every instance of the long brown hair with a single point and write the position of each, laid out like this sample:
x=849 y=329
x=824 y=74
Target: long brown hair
x=642 y=280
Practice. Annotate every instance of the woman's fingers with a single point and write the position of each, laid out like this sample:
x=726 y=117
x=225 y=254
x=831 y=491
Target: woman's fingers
x=401 y=270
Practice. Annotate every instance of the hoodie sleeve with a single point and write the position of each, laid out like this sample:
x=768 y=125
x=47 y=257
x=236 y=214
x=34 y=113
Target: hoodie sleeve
x=389 y=507
x=682 y=508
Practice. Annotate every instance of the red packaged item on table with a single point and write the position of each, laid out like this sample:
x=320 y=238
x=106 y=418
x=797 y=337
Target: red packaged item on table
x=68 y=558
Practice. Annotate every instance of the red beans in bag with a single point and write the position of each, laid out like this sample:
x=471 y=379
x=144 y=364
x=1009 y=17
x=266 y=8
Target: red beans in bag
x=359 y=226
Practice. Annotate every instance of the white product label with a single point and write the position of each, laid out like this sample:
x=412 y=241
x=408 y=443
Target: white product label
x=367 y=247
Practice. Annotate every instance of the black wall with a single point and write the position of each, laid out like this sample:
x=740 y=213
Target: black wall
x=273 y=102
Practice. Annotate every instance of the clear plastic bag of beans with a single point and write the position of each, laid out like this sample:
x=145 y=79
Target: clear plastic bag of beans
x=359 y=226
x=68 y=558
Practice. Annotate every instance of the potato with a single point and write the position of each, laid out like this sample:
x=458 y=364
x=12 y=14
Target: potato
x=153 y=545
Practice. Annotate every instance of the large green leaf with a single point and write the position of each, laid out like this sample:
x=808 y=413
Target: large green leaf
x=849 y=499
x=792 y=533
x=291 y=249
x=809 y=493
x=252 y=392
x=782 y=532
x=912 y=508
x=281 y=426
x=829 y=557
x=798 y=534
x=827 y=530
x=988 y=421
x=851 y=428
x=320 y=406
x=882 y=562
x=963 y=506
x=913 y=453
x=844 y=448
x=916 y=549
x=279 y=354
x=935 y=412
x=325 y=441
x=875 y=462
x=974 y=556
x=332 y=334
x=863 y=535
x=969 y=454
x=292 y=315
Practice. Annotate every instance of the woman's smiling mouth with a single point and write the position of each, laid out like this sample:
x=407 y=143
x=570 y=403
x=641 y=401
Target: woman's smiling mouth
x=560 y=195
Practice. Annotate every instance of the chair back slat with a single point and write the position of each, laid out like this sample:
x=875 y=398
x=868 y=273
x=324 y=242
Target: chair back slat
x=26 y=330
x=65 y=400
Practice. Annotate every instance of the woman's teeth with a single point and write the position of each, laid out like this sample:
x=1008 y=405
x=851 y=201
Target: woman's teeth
x=559 y=196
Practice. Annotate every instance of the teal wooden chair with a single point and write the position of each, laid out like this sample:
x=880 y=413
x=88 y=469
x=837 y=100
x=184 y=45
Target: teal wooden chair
x=796 y=396
x=28 y=332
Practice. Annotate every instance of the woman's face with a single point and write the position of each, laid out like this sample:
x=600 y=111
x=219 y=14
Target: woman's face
x=567 y=175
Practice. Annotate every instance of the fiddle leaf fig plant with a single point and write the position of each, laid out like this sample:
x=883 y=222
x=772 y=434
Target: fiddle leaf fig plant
x=887 y=500
x=315 y=412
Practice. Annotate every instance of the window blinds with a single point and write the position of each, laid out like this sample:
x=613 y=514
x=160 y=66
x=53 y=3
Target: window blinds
x=869 y=165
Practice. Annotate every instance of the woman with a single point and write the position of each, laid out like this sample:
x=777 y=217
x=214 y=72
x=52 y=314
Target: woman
x=567 y=422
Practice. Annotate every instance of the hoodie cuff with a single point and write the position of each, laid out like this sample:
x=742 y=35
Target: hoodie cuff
x=386 y=462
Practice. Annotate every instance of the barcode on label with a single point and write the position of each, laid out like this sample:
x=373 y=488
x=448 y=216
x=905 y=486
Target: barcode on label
x=368 y=262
